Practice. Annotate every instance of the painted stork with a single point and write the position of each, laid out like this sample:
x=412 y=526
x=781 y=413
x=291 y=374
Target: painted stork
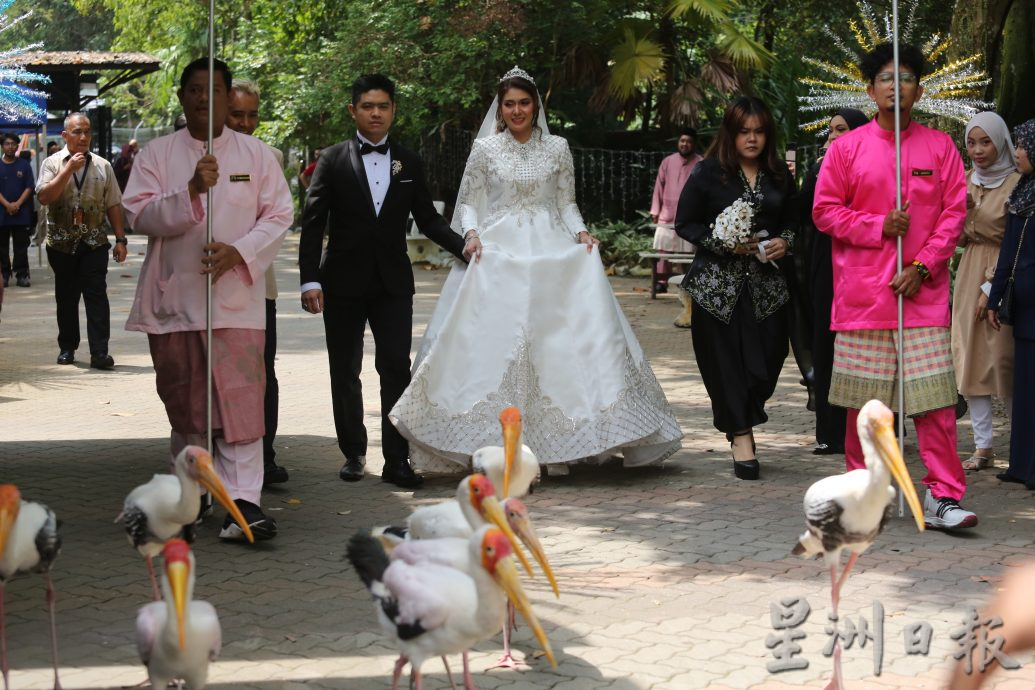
x=168 y=506
x=848 y=511
x=29 y=542
x=475 y=505
x=178 y=638
x=513 y=466
x=432 y=610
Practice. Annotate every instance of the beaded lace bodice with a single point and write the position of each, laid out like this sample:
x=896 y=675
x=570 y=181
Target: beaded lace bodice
x=504 y=176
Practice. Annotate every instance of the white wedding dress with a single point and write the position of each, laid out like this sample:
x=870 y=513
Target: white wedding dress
x=534 y=325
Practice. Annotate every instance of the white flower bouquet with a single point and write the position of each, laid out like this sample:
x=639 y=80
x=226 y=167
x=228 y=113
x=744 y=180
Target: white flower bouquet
x=733 y=225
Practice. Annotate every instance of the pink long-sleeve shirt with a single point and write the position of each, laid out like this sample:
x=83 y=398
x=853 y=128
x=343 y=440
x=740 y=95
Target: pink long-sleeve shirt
x=856 y=190
x=252 y=210
x=672 y=175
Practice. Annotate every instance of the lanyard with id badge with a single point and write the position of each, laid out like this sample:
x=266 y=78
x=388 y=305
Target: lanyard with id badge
x=78 y=215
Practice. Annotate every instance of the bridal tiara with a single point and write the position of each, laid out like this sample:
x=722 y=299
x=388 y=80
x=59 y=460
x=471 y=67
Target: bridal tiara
x=517 y=72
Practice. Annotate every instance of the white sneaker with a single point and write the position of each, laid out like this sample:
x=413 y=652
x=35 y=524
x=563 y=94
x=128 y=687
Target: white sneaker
x=946 y=513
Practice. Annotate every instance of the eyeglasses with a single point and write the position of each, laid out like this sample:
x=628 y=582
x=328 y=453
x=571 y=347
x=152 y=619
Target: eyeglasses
x=889 y=77
x=80 y=132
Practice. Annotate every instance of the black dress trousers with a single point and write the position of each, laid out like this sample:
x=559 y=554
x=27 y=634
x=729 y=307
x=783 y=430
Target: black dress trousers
x=82 y=274
x=740 y=362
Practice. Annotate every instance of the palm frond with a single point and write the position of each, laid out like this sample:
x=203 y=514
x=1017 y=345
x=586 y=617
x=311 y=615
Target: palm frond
x=745 y=52
x=635 y=59
x=714 y=10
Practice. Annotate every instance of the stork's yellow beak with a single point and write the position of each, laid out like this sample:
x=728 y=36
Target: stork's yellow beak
x=511 y=446
x=526 y=532
x=10 y=505
x=493 y=512
x=506 y=576
x=887 y=448
x=8 y=516
x=208 y=478
x=178 y=573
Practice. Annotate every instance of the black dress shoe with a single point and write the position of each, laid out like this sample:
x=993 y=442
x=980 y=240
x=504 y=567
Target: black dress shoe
x=352 y=470
x=1008 y=478
x=274 y=474
x=402 y=475
x=66 y=357
x=102 y=362
x=746 y=469
x=24 y=282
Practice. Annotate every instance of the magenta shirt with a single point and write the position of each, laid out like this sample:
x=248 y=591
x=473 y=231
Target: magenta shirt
x=856 y=190
x=672 y=175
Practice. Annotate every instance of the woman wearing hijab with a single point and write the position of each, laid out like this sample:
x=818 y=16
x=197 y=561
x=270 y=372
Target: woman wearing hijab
x=830 y=421
x=1017 y=260
x=982 y=356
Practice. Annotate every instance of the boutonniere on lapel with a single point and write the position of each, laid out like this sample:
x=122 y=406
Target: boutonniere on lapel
x=397 y=167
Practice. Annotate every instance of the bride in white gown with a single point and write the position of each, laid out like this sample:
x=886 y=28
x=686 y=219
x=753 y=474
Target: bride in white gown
x=533 y=323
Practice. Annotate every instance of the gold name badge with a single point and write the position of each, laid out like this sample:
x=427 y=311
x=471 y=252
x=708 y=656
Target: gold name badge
x=922 y=173
x=241 y=178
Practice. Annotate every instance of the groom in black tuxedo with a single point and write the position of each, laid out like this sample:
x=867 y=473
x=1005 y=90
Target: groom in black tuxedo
x=362 y=192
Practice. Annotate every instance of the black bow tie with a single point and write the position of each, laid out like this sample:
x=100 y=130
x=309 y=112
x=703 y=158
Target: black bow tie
x=366 y=148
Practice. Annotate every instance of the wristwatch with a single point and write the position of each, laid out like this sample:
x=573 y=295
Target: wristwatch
x=121 y=240
x=924 y=272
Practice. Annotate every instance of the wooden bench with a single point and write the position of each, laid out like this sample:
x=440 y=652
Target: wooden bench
x=673 y=258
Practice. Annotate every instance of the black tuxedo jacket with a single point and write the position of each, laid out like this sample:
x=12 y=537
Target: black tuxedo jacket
x=364 y=248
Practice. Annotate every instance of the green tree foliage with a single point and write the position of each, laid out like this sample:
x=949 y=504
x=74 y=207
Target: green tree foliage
x=601 y=65
x=59 y=25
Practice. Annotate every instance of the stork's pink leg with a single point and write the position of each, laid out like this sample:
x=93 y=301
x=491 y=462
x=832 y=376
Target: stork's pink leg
x=449 y=674
x=835 y=592
x=154 y=581
x=417 y=679
x=468 y=680
x=397 y=671
x=52 y=610
x=844 y=575
x=836 y=679
x=3 y=638
x=507 y=660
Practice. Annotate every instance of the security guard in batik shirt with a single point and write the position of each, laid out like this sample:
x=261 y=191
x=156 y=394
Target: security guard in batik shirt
x=80 y=192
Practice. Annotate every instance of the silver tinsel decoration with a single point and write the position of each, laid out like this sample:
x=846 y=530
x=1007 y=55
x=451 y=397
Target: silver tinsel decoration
x=951 y=90
x=16 y=99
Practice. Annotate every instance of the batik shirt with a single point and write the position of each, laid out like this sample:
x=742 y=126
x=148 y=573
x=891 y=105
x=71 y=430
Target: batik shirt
x=94 y=189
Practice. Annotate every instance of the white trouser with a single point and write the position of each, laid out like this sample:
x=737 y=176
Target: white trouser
x=239 y=465
x=981 y=418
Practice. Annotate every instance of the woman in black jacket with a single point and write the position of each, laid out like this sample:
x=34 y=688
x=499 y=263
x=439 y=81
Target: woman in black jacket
x=830 y=420
x=740 y=324
x=1017 y=259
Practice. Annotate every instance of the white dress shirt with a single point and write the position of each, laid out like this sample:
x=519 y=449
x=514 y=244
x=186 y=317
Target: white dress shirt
x=378 y=167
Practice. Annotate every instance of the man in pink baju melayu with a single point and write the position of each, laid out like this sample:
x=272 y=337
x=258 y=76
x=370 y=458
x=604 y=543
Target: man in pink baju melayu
x=165 y=199
x=855 y=205
x=672 y=175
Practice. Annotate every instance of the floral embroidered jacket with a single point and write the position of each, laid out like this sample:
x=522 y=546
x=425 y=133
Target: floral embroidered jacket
x=717 y=275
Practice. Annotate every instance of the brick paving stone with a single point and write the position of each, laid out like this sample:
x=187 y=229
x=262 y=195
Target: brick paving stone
x=667 y=574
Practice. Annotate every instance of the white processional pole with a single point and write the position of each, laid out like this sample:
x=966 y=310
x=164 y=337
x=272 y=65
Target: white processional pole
x=208 y=228
x=898 y=207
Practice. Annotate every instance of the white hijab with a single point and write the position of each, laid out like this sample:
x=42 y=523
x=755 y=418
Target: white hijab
x=1006 y=163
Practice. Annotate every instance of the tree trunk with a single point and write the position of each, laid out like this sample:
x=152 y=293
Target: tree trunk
x=667 y=38
x=1014 y=96
x=1001 y=30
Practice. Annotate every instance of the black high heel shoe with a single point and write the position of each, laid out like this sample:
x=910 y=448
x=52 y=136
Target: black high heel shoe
x=745 y=469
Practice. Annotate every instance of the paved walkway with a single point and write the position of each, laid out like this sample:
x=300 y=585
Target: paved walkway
x=667 y=574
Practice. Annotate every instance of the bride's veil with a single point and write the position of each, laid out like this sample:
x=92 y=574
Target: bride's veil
x=488 y=129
